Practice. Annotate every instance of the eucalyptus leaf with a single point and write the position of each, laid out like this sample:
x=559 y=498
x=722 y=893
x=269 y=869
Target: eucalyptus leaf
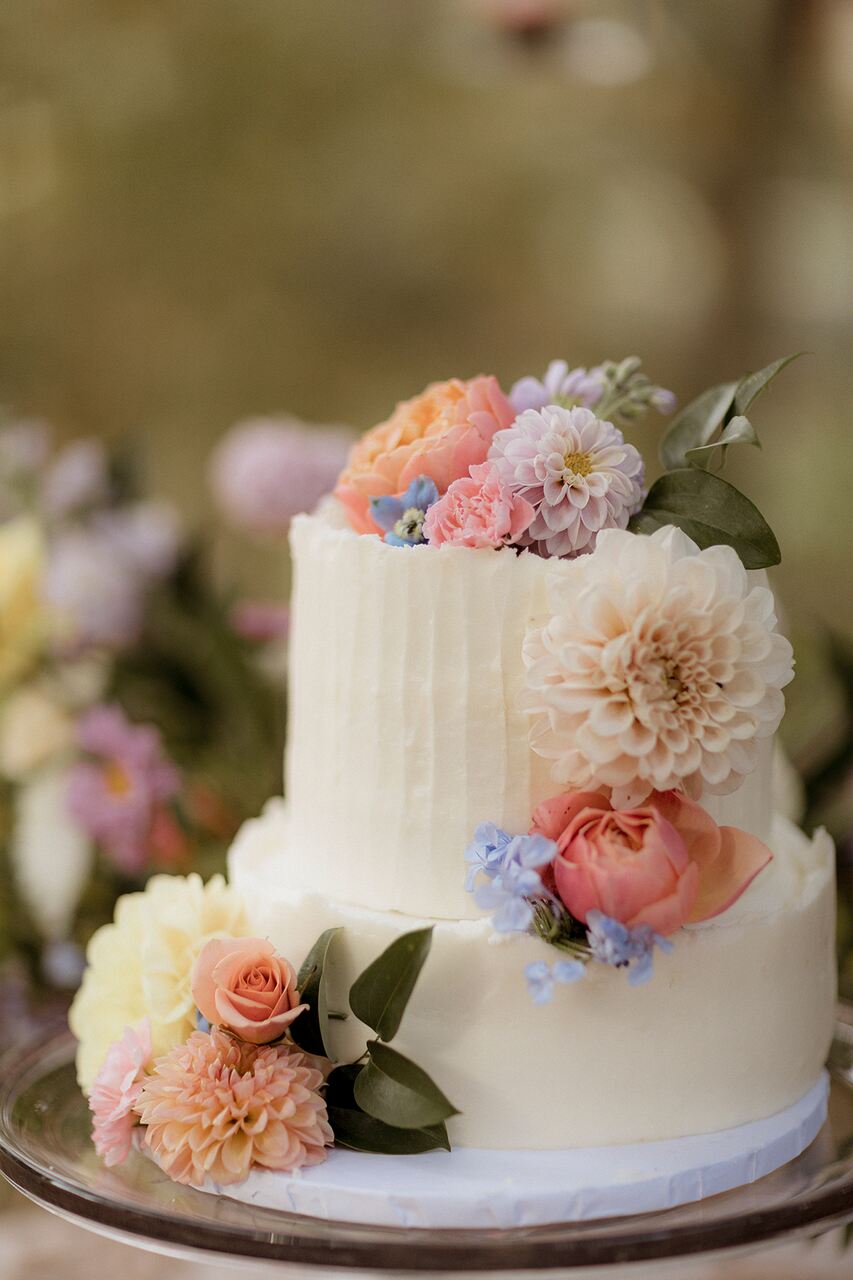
x=361 y=1132
x=310 y=1030
x=393 y=1089
x=738 y=430
x=751 y=385
x=340 y=1086
x=695 y=424
x=380 y=995
x=710 y=511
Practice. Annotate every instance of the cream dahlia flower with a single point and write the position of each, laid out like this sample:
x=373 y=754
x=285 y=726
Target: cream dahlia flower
x=140 y=965
x=575 y=470
x=659 y=668
x=214 y=1107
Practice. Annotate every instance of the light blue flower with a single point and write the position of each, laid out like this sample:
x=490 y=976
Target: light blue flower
x=541 y=977
x=516 y=881
x=403 y=518
x=615 y=944
x=485 y=853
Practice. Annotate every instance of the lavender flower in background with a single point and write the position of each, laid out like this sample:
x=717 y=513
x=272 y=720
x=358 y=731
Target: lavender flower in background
x=147 y=535
x=96 y=601
x=260 y=620
x=542 y=977
x=516 y=882
x=615 y=944
x=403 y=518
x=485 y=853
x=116 y=796
x=560 y=385
x=77 y=479
x=267 y=470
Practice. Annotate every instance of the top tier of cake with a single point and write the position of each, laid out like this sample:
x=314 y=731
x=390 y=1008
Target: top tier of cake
x=406 y=726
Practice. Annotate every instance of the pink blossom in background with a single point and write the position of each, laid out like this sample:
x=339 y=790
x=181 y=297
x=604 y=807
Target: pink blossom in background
x=116 y=1091
x=117 y=796
x=267 y=470
x=478 y=511
x=260 y=620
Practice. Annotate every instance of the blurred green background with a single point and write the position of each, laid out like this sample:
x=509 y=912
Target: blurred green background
x=211 y=209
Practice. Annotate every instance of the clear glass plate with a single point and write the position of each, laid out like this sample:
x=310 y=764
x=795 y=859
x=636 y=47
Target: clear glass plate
x=46 y=1152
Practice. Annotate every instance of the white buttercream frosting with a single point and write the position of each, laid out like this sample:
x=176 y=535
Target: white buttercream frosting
x=407 y=728
x=733 y=1027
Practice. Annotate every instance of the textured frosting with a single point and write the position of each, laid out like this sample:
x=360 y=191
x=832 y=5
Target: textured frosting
x=734 y=1026
x=406 y=729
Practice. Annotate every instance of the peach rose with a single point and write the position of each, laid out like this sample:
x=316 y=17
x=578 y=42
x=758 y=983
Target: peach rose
x=440 y=434
x=243 y=986
x=664 y=865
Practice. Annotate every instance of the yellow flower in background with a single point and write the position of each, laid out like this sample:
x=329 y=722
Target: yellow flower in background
x=140 y=965
x=34 y=729
x=23 y=618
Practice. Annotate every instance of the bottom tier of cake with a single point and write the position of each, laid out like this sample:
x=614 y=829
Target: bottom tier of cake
x=733 y=1028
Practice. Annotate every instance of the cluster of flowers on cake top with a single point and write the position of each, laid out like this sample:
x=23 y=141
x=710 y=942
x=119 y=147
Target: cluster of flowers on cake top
x=463 y=464
x=609 y=885
x=203 y=1044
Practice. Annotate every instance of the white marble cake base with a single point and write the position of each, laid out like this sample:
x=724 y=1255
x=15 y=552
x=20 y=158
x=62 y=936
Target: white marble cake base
x=476 y=1188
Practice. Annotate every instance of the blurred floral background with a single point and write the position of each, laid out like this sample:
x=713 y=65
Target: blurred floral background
x=288 y=216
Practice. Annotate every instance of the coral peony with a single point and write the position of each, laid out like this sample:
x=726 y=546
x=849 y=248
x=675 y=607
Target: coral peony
x=116 y=1091
x=242 y=985
x=140 y=965
x=215 y=1107
x=478 y=511
x=660 y=668
x=439 y=434
x=664 y=865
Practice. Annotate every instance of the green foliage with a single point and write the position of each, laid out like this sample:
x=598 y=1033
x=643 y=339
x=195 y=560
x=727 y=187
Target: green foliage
x=738 y=430
x=561 y=930
x=393 y=1089
x=710 y=511
x=379 y=997
x=695 y=424
x=310 y=1029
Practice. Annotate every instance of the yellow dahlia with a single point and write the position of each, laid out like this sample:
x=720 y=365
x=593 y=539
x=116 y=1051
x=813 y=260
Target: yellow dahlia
x=140 y=966
x=215 y=1107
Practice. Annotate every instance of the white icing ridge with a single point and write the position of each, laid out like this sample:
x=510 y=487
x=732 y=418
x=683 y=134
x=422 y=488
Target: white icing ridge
x=734 y=1026
x=406 y=724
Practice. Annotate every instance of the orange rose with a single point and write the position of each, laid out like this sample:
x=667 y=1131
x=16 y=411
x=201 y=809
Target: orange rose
x=241 y=985
x=440 y=434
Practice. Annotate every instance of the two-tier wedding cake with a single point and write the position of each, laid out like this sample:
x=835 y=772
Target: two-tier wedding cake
x=528 y=835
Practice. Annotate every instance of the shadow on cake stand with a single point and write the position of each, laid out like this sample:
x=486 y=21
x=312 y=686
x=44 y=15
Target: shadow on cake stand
x=46 y=1152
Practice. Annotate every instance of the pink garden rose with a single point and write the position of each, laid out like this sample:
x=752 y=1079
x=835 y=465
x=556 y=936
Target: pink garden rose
x=478 y=511
x=242 y=985
x=116 y=1091
x=664 y=865
x=439 y=434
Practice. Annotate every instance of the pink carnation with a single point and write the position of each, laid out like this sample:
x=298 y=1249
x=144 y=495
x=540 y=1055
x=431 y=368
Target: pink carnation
x=215 y=1107
x=478 y=511
x=116 y=1091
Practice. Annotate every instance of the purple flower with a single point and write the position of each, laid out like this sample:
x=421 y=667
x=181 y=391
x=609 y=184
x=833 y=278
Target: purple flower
x=77 y=478
x=577 y=471
x=98 y=601
x=517 y=881
x=615 y=944
x=260 y=620
x=541 y=977
x=116 y=795
x=147 y=536
x=403 y=518
x=485 y=853
x=267 y=470
x=560 y=385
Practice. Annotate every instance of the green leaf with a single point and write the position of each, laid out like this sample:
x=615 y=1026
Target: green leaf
x=751 y=385
x=695 y=424
x=396 y=1091
x=361 y=1132
x=309 y=1031
x=341 y=1084
x=379 y=997
x=710 y=511
x=738 y=430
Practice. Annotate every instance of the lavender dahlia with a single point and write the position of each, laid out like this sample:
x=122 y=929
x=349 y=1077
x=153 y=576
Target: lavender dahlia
x=576 y=470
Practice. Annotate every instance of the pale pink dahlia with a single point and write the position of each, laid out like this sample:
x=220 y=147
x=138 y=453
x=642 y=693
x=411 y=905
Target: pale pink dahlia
x=660 y=668
x=215 y=1107
x=577 y=472
x=116 y=1091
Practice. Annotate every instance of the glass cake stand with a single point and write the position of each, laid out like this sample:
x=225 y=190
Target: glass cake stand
x=46 y=1152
